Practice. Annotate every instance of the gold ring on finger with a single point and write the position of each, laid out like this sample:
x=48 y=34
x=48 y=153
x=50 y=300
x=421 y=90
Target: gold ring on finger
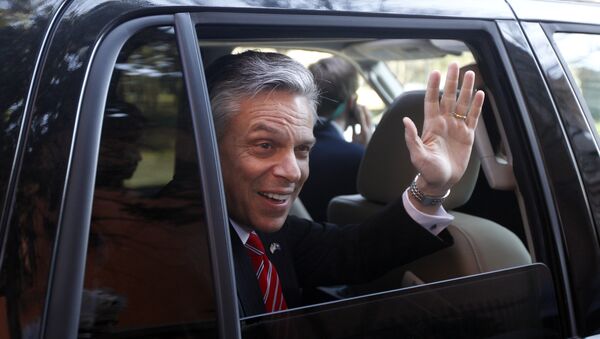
x=458 y=116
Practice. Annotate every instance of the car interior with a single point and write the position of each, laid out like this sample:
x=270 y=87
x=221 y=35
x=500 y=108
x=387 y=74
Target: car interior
x=485 y=239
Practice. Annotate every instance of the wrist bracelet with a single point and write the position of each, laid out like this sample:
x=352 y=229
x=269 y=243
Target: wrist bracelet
x=424 y=199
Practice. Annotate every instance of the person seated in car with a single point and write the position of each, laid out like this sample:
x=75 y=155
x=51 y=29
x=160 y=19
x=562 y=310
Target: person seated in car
x=334 y=162
x=264 y=110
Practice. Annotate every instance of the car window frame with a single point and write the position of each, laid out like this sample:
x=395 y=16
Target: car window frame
x=576 y=120
x=531 y=48
x=570 y=107
x=571 y=111
x=411 y=26
x=550 y=29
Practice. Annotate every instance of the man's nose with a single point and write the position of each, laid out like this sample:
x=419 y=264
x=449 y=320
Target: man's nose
x=288 y=167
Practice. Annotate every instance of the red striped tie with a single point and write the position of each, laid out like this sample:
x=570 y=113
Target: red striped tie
x=266 y=274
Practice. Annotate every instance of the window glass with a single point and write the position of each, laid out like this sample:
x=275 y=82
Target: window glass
x=581 y=52
x=516 y=303
x=147 y=269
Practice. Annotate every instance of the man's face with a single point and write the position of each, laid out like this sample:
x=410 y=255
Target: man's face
x=264 y=158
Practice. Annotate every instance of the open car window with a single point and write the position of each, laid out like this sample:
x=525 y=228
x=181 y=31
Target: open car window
x=396 y=70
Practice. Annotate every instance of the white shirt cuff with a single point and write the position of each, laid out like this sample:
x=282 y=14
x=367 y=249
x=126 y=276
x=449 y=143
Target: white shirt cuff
x=434 y=223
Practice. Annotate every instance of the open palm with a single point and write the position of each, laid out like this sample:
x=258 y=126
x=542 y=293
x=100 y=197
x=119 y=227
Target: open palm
x=442 y=152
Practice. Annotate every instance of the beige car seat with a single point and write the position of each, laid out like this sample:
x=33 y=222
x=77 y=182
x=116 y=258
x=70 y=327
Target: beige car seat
x=480 y=245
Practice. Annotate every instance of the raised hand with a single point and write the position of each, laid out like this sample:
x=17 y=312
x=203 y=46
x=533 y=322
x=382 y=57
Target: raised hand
x=442 y=152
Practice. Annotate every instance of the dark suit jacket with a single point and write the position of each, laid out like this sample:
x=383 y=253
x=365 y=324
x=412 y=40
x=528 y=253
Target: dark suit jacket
x=320 y=254
x=333 y=169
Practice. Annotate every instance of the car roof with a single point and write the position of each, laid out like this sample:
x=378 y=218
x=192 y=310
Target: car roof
x=490 y=9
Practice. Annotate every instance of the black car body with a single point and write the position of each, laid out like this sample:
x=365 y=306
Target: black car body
x=72 y=73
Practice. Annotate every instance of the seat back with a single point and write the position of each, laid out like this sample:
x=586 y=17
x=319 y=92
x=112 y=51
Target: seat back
x=480 y=245
x=298 y=210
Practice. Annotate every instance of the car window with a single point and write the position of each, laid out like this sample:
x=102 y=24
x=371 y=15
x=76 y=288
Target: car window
x=581 y=53
x=147 y=268
x=403 y=75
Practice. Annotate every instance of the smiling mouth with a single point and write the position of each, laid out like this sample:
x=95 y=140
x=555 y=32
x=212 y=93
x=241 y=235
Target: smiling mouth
x=279 y=198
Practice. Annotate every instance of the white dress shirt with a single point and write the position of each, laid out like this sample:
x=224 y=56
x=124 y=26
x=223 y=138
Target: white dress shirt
x=241 y=231
x=434 y=223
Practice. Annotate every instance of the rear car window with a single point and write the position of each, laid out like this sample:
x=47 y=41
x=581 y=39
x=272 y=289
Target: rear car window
x=147 y=268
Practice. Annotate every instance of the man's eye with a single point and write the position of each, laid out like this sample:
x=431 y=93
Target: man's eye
x=264 y=147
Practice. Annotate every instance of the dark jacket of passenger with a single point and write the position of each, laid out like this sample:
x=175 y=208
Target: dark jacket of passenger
x=333 y=167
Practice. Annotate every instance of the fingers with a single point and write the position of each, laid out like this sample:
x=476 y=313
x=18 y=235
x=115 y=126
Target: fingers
x=432 y=95
x=448 y=100
x=464 y=99
x=466 y=104
x=475 y=111
x=413 y=142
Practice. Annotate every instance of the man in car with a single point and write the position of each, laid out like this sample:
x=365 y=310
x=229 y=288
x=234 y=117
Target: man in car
x=264 y=108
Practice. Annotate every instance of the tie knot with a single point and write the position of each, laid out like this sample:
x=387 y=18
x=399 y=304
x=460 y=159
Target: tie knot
x=254 y=244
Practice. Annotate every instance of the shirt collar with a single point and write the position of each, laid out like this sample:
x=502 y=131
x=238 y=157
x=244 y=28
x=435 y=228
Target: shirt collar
x=241 y=231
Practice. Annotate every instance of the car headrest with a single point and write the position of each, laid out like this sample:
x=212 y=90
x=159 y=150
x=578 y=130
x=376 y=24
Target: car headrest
x=386 y=170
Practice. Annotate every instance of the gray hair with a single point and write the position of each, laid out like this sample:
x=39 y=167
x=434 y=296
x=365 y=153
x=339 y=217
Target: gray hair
x=247 y=74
